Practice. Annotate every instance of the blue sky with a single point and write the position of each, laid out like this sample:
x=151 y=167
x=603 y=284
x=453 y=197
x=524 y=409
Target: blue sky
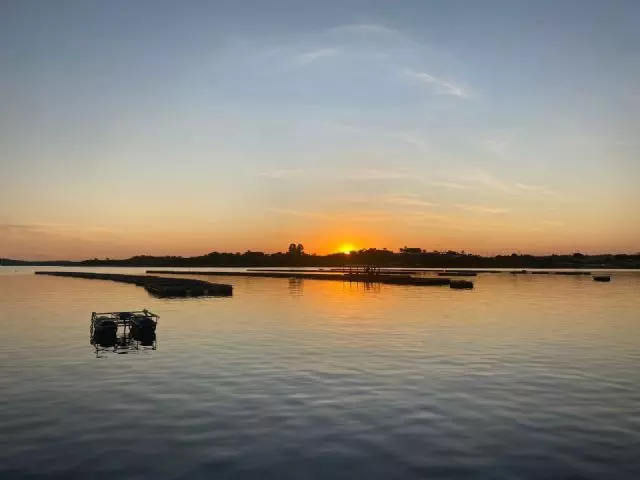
x=185 y=127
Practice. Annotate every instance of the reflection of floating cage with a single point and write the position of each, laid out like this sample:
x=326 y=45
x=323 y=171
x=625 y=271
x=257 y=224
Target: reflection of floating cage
x=362 y=270
x=122 y=332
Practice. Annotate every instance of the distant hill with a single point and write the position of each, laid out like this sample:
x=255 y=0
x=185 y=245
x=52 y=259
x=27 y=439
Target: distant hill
x=8 y=262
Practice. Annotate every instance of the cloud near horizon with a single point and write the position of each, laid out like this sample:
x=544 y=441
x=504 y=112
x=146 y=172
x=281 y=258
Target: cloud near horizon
x=483 y=209
x=281 y=173
x=379 y=174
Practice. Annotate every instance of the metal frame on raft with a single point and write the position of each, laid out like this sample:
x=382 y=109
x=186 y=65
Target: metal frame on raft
x=121 y=332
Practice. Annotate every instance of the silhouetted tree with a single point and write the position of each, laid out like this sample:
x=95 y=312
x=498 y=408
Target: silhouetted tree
x=296 y=249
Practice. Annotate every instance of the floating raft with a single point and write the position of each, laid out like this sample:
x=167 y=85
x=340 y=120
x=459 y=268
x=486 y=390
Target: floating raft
x=602 y=278
x=356 y=277
x=386 y=271
x=157 y=286
x=457 y=274
x=549 y=272
x=461 y=284
x=332 y=270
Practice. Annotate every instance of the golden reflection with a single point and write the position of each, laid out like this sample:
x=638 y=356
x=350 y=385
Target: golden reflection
x=502 y=310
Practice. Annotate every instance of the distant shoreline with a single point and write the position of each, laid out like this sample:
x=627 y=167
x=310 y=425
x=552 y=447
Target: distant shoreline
x=412 y=258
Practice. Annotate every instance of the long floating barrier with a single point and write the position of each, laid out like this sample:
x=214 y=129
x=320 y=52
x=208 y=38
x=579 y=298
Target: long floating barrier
x=461 y=284
x=572 y=273
x=157 y=286
x=457 y=274
x=356 y=277
x=549 y=272
x=329 y=271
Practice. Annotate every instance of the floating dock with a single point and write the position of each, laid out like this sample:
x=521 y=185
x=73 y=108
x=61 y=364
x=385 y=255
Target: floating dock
x=361 y=277
x=157 y=286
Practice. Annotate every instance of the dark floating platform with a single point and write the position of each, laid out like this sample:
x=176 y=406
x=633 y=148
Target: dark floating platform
x=461 y=284
x=602 y=278
x=386 y=271
x=355 y=277
x=157 y=286
x=330 y=271
x=549 y=272
x=457 y=274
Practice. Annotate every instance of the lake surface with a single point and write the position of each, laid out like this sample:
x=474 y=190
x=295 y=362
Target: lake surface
x=527 y=376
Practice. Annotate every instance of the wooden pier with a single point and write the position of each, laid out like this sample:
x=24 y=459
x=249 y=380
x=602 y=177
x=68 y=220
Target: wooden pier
x=360 y=276
x=157 y=286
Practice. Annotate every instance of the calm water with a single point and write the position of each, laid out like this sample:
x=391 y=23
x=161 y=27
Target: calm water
x=523 y=377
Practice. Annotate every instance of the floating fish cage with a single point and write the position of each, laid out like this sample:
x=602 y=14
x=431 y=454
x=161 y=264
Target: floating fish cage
x=123 y=331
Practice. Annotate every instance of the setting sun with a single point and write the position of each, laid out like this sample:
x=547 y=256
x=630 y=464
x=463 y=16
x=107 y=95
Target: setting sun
x=347 y=248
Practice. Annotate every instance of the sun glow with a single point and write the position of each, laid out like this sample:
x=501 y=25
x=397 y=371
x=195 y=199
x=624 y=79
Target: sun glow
x=347 y=248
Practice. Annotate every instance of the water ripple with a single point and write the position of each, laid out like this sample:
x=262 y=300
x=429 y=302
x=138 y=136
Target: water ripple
x=533 y=377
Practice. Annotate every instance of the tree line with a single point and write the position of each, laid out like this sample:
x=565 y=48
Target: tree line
x=295 y=256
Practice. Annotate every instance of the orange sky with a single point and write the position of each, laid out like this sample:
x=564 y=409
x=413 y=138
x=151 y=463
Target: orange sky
x=214 y=129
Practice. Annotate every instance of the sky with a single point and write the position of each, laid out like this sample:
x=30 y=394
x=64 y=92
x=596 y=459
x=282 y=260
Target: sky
x=181 y=128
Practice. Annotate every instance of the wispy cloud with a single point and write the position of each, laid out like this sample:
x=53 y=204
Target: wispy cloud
x=497 y=146
x=365 y=28
x=409 y=200
x=281 y=173
x=53 y=228
x=442 y=87
x=534 y=189
x=486 y=180
x=445 y=184
x=369 y=216
x=483 y=209
x=350 y=216
x=414 y=139
x=300 y=213
x=304 y=59
x=375 y=174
